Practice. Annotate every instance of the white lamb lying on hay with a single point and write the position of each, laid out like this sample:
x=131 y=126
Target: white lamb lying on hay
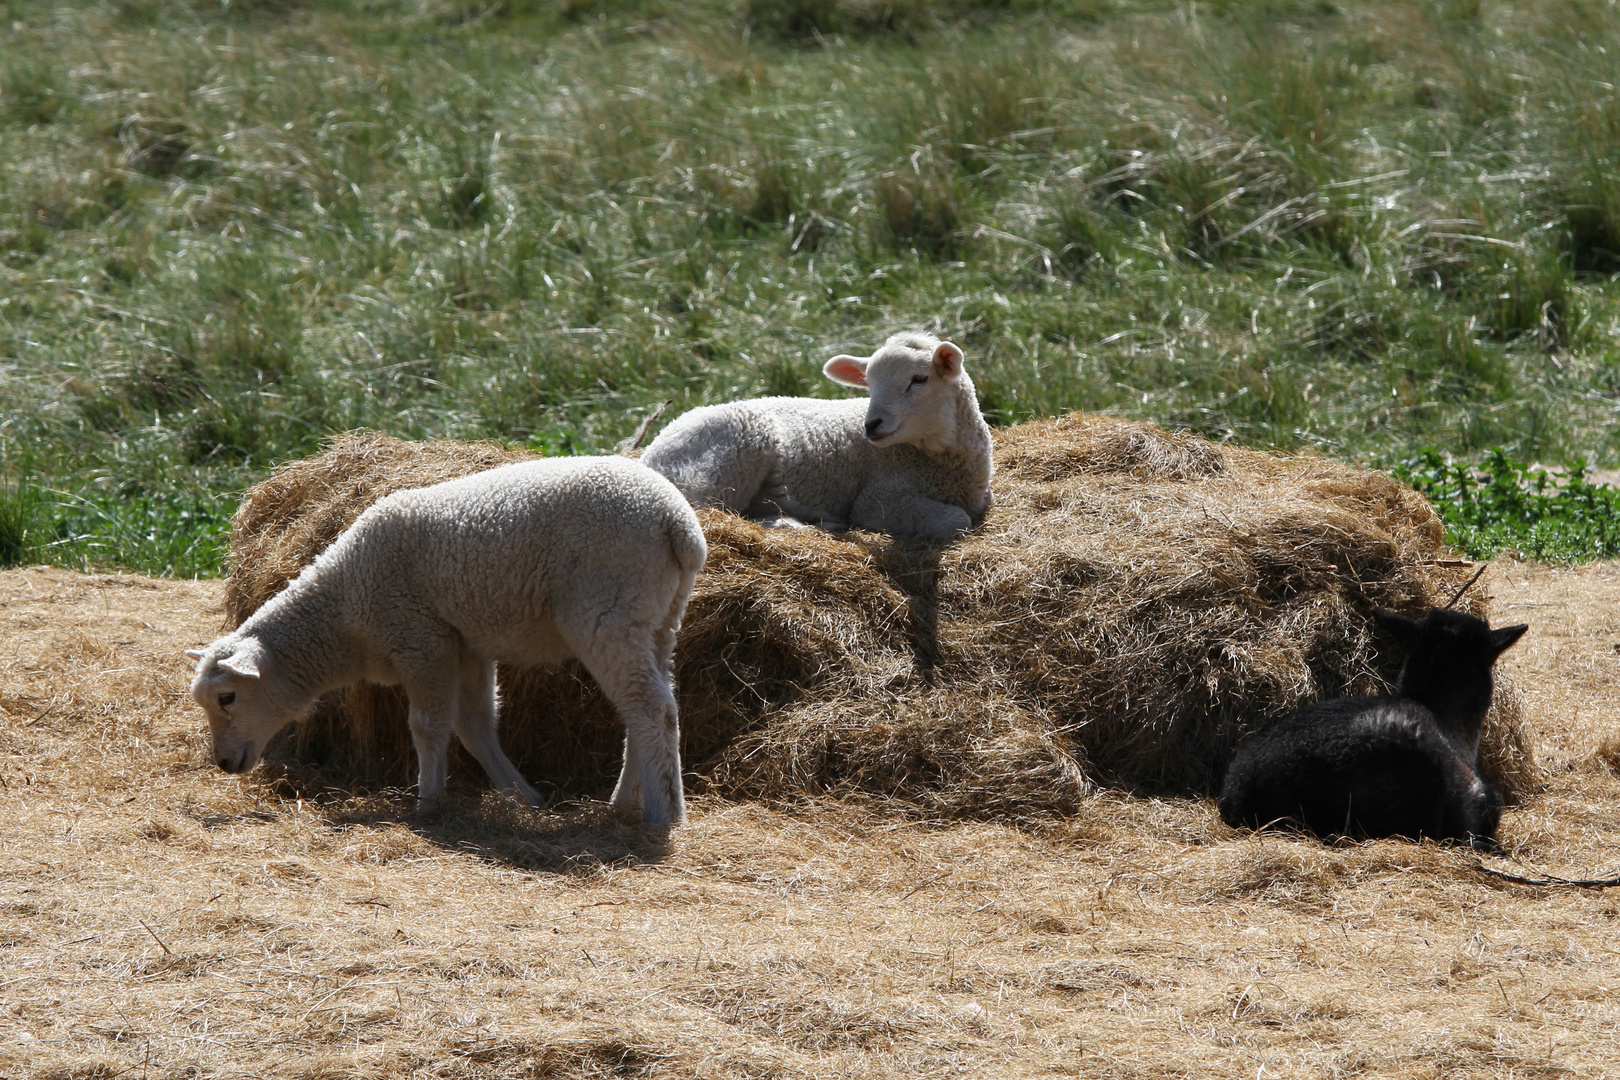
x=913 y=460
x=532 y=563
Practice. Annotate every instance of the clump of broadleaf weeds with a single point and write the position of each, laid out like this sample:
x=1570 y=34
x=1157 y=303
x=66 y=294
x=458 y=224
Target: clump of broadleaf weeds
x=1501 y=504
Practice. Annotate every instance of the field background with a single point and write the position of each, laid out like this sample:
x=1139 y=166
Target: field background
x=231 y=227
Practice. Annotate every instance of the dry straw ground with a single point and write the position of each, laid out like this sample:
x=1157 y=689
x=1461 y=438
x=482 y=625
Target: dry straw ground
x=161 y=919
x=1134 y=602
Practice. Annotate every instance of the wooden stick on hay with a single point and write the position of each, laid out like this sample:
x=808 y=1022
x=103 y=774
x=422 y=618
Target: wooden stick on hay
x=634 y=442
x=1550 y=881
x=1453 y=601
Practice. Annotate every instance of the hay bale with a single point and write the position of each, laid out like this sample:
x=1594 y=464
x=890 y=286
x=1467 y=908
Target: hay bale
x=1135 y=602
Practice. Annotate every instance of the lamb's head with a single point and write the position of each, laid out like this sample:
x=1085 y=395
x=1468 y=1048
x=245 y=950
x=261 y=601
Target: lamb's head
x=1448 y=663
x=915 y=381
x=233 y=687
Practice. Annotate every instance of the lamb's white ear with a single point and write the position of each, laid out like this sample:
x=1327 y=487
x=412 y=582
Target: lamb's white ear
x=846 y=370
x=948 y=360
x=195 y=654
x=244 y=662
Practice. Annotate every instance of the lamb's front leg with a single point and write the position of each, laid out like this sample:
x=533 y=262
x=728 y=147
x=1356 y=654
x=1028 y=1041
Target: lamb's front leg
x=432 y=689
x=776 y=509
x=889 y=508
x=476 y=727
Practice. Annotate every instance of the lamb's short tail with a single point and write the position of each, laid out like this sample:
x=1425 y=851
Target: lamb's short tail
x=689 y=548
x=687 y=544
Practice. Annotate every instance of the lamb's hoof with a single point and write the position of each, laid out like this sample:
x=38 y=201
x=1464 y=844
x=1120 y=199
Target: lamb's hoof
x=436 y=806
x=636 y=814
x=524 y=794
x=665 y=815
x=782 y=521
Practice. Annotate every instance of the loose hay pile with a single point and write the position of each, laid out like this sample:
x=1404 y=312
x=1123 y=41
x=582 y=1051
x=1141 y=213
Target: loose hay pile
x=1135 y=601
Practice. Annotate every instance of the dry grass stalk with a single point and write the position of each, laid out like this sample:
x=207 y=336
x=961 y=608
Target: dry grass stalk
x=1136 y=601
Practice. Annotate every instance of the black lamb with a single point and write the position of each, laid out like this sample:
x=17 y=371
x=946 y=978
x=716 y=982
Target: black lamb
x=1401 y=765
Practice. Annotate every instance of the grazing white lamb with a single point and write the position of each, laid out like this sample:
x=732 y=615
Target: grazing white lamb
x=912 y=460
x=531 y=563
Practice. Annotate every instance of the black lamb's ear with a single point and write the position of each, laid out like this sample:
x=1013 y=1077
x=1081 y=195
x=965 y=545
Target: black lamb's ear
x=1503 y=637
x=1398 y=626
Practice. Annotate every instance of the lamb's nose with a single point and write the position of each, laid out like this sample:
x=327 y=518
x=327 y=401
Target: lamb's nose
x=872 y=425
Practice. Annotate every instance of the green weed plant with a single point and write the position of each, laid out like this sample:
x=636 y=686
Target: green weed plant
x=1505 y=505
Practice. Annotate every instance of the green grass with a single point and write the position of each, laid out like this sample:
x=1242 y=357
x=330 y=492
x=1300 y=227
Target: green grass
x=229 y=228
x=175 y=531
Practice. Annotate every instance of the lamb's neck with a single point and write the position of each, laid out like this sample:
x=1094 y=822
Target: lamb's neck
x=303 y=631
x=972 y=443
x=1458 y=717
x=972 y=467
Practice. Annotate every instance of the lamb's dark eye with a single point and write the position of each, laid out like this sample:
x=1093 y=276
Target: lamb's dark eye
x=227 y=698
x=918 y=379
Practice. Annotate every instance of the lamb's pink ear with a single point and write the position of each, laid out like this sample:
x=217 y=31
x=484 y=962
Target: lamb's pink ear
x=195 y=654
x=243 y=662
x=948 y=360
x=846 y=370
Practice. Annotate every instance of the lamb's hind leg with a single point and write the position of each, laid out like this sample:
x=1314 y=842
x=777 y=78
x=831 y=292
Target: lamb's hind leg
x=724 y=461
x=635 y=676
x=477 y=728
x=627 y=792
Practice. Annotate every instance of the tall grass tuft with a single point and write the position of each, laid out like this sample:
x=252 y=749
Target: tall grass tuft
x=918 y=209
x=23 y=525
